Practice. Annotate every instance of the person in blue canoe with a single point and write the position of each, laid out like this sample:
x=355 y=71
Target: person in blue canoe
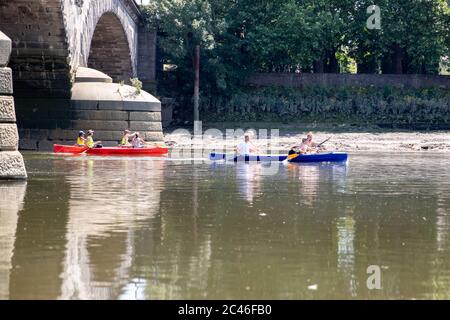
x=246 y=147
x=309 y=141
x=303 y=148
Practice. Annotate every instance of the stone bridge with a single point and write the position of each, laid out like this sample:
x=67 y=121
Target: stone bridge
x=52 y=38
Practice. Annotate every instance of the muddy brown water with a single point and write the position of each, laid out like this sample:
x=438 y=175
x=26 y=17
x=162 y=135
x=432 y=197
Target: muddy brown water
x=149 y=228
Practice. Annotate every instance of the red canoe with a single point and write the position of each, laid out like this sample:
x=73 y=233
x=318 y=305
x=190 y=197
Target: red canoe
x=111 y=151
x=57 y=148
x=108 y=151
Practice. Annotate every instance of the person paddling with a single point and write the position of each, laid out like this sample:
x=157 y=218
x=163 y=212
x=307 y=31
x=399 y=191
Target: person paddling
x=81 y=140
x=246 y=147
x=309 y=141
x=301 y=149
x=127 y=136
x=137 y=141
x=90 y=140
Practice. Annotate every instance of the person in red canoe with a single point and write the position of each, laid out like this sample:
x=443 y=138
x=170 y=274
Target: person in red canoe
x=90 y=140
x=137 y=141
x=81 y=140
x=126 y=138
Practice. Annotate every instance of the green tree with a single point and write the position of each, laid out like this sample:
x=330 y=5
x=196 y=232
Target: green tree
x=412 y=38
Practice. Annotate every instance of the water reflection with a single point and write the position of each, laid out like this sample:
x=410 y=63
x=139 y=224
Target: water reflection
x=93 y=228
x=11 y=202
x=346 y=251
x=248 y=178
x=108 y=201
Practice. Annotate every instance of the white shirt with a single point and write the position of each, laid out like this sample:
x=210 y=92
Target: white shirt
x=245 y=148
x=137 y=143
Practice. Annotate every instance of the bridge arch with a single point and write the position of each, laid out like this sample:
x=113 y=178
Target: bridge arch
x=89 y=23
x=109 y=49
x=51 y=39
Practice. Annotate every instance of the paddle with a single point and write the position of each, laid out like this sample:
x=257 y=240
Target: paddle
x=322 y=143
x=293 y=156
x=153 y=144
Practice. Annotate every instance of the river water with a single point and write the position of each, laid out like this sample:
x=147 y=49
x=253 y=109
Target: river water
x=149 y=228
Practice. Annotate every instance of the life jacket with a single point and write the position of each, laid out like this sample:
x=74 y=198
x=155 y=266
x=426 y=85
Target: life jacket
x=89 y=142
x=80 y=141
x=124 y=141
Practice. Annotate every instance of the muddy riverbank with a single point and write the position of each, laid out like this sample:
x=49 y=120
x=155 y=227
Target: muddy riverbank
x=343 y=138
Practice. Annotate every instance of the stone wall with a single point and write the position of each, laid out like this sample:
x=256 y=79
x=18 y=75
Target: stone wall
x=352 y=80
x=147 y=59
x=52 y=38
x=106 y=107
x=11 y=161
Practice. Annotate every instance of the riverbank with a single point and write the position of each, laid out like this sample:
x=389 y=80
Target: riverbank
x=343 y=137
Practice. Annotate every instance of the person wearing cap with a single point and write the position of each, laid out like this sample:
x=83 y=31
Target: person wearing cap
x=81 y=140
x=246 y=147
x=90 y=140
x=127 y=136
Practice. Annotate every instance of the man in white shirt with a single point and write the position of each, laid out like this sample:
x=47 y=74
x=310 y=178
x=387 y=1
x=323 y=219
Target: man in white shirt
x=246 y=147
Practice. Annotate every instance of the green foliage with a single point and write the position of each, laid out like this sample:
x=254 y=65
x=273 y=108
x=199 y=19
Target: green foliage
x=241 y=37
x=391 y=105
x=414 y=35
x=135 y=82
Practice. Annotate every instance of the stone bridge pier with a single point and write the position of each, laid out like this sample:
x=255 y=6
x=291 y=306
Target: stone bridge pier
x=51 y=40
x=11 y=161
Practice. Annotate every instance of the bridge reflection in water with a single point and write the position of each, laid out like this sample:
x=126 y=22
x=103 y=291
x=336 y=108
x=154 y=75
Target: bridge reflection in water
x=104 y=212
x=75 y=236
x=11 y=202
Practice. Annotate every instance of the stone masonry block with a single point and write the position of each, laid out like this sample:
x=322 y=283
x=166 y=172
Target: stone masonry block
x=9 y=137
x=99 y=125
x=146 y=126
x=100 y=115
x=5 y=49
x=7 y=112
x=6 y=86
x=153 y=136
x=145 y=116
x=105 y=135
x=27 y=144
x=12 y=165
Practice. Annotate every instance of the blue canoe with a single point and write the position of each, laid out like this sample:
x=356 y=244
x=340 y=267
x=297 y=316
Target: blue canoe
x=319 y=157
x=262 y=157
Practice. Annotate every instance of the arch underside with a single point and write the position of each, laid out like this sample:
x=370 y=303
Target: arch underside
x=110 y=51
x=39 y=61
x=40 y=49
